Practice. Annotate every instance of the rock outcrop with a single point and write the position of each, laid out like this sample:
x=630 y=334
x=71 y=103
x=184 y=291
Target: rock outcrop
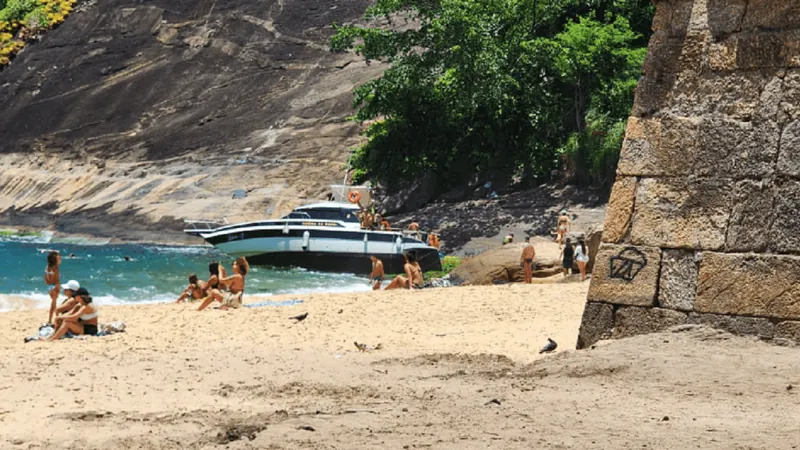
x=132 y=116
x=702 y=222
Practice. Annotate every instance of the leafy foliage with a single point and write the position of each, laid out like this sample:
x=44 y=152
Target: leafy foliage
x=497 y=89
x=21 y=19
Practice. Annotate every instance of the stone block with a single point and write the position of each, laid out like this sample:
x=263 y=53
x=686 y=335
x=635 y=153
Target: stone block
x=733 y=94
x=789 y=102
x=659 y=146
x=681 y=213
x=749 y=284
x=632 y=320
x=672 y=18
x=619 y=211
x=769 y=14
x=784 y=234
x=742 y=326
x=678 y=281
x=596 y=324
x=625 y=275
x=725 y=16
x=748 y=229
x=789 y=158
x=788 y=329
x=734 y=149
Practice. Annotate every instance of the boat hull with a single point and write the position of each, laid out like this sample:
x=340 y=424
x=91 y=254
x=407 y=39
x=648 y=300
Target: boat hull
x=359 y=264
x=323 y=249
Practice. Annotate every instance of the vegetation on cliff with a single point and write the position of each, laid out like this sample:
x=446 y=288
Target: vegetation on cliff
x=21 y=20
x=507 y=90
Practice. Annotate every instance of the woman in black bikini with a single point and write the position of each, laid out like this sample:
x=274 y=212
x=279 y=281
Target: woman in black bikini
x=82 y=321
x=567 y=255
x=213 y=287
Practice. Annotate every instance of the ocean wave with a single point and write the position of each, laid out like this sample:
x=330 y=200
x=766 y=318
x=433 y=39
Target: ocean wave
x=183 y=250
x=30 y=301
x=43 y=237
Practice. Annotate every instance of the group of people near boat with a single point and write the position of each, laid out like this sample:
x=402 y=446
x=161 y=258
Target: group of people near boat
x=227 y=290
x=410 y=279
x=77 y=313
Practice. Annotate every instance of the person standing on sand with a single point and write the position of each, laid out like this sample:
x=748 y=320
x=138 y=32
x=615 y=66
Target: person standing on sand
x=377 y=272
x=582 y=257
x=567 y=255
x=413 y=278
x=563 y=227
x=528 y=253
x=52 y=280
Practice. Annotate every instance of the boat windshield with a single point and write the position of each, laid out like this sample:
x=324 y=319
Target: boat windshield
x=325 y=214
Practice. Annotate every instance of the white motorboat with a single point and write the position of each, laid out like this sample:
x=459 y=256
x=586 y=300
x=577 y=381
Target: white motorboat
x=323 y=236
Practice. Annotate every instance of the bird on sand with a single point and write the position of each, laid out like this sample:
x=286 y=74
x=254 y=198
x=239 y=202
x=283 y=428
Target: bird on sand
x=300 y=318
x=549 y=347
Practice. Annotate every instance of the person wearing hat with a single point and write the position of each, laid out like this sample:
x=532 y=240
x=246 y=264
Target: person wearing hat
x=563 y=227
x=69 y=303
x=82 y=320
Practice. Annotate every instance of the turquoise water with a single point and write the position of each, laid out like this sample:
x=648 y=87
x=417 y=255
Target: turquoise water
x=155 y=273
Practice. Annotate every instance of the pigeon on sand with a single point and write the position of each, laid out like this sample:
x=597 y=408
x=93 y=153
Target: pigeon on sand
x=549 y=347
x=300 y=318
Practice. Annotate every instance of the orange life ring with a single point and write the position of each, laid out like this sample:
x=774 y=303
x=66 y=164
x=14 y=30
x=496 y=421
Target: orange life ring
x=353 y=197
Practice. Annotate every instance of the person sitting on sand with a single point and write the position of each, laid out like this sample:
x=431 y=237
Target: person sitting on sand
x=567 y=255
x=195 y=291
x=213 y=287
x=234 y=283
x=51 y=279
x=563 y=227
x=508 y=239
x=377 y=272
x=413 y=278
x=82 y=321
x=528 y=253
x=69 y=305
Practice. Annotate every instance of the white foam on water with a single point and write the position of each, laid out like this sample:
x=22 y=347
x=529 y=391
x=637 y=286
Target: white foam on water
x=30 y=301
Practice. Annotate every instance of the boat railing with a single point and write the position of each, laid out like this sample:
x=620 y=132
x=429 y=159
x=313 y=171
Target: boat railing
x=204 y=224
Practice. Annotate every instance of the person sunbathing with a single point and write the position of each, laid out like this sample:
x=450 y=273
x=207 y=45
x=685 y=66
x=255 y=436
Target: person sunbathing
x=195 y=291
x=413 y=278
x=235 y=285
x=82 y=321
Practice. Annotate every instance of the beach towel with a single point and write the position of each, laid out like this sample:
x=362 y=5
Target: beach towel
x=47 y=330
x=271 y=303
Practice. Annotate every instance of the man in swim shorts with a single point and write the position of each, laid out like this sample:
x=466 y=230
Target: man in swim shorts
x=377 y=272
x=528 y=254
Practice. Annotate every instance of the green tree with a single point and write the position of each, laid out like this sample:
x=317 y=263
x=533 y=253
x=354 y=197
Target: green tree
x=491 y=89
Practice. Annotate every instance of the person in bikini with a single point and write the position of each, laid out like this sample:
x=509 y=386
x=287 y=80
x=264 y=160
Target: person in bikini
x=52 y=280
x=377 y=272
x=213 y=287
x=528 y=253
x=413 y=278
x=195 y=291
x=563 y=227
x=69 y=305
x=82 y=321
x=235 y=285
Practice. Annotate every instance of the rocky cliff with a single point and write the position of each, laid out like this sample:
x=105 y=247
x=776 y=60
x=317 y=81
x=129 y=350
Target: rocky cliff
x=132 y=116
x=702 y=222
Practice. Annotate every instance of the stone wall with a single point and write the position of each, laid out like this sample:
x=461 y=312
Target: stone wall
x=703 y=224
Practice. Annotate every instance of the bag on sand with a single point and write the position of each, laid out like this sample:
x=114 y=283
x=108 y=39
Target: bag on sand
x=113 y=327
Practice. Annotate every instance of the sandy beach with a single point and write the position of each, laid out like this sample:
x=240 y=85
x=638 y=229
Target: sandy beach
x=458 y=368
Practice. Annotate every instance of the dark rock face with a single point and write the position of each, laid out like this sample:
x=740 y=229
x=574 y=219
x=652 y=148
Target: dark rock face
x=240 y=94
x=170 y=77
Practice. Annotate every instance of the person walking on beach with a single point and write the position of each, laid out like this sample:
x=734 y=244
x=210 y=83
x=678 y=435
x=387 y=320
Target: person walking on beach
x=528 y=253
x=377 y=272
x=82 y=321
x=582 y=257
x=567 y=255
x=52 y=280
x=563 y=227
x=195 y=291
x=413 y=278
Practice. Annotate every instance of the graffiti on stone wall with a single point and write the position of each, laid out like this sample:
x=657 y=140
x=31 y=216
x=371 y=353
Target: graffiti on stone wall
x=627 y=264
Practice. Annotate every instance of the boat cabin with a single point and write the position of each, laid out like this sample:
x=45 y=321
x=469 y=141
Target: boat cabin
x=345 y=212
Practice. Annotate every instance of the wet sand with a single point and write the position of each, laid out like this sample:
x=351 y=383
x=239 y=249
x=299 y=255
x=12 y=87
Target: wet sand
x=458 y=368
